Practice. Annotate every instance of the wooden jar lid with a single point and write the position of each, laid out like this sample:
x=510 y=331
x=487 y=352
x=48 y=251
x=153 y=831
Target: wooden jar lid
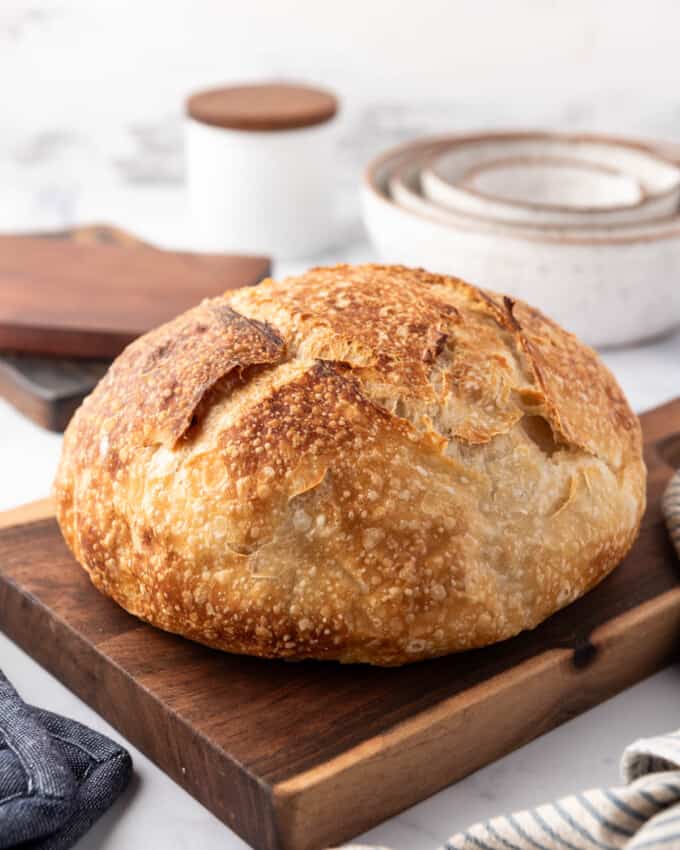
x=270 y=106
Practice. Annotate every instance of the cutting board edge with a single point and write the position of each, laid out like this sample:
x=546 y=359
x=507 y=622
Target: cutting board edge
x=28 y=512
x=47 y=408
x=345 y=782
x=74 y=342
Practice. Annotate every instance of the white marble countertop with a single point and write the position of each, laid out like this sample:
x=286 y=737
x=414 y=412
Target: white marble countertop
x=583 y=752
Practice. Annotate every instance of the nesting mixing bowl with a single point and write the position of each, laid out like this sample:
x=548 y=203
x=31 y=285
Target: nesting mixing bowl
x=546 y=180
x=611 y=283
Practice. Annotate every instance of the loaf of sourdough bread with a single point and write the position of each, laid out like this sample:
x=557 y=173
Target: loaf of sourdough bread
x=369 y=464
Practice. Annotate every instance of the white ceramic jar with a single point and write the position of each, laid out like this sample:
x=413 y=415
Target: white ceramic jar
x=259 y=164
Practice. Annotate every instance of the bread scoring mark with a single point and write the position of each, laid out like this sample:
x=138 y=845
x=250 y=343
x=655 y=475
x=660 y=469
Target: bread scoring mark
x=154 y=390
x=563 y=380
x=386 y=332
x=435 y=342
x=582 y=401
x=414 y=352
x=538 y=430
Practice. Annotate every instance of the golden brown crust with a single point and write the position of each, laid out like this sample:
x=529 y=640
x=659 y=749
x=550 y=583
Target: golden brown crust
x=160 y=380
x=363 y=463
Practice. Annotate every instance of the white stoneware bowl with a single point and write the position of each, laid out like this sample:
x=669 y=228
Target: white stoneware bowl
x=610 y=286
x=550 y=179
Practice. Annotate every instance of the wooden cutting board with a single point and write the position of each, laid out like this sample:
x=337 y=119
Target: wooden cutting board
x=302 y=756
x=75 y=299
x=49 y=389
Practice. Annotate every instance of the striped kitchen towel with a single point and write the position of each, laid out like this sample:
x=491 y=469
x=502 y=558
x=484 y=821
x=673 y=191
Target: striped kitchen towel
x=671 y=509
x=643 y=814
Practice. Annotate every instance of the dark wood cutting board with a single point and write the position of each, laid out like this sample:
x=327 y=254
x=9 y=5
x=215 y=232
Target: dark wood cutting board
x=71 y=299
x=49 y=389
x=303 y=756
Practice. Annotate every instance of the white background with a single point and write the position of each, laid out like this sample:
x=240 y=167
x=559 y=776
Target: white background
x=91 y=96
x=91 y=91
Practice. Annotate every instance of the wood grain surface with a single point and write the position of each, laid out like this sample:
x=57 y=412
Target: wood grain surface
x=75 y=299
x=302 y=756
x=49 y=389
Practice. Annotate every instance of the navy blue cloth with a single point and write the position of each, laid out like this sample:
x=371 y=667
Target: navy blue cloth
x=57 y=777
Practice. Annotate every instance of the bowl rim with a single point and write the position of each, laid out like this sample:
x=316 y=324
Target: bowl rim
x=556 y=162
x=487 y=224
x=668 y=228
x=573 y=141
